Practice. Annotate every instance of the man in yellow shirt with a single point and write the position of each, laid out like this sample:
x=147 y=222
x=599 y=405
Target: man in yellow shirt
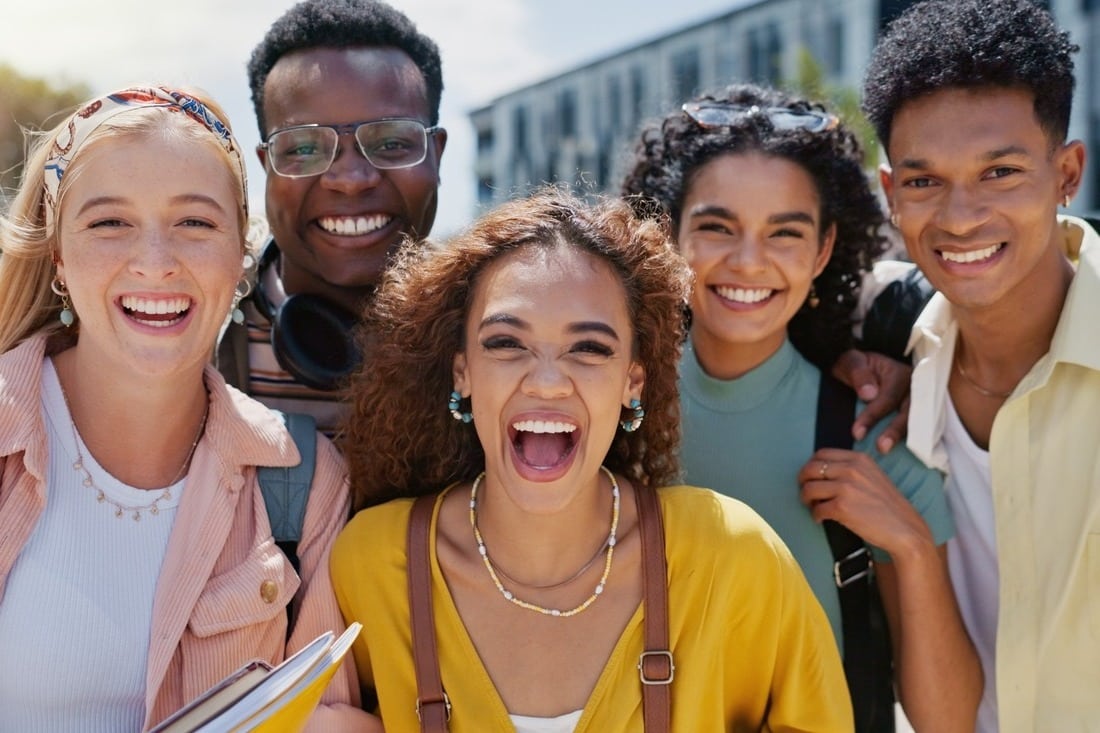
x=971 y=99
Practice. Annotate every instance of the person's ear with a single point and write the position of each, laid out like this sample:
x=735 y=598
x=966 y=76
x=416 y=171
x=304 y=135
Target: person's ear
x=825 y=251
x=261 y=153
x=458 y=373
x=635 y=381
x=886 y=180
x=1070 y=161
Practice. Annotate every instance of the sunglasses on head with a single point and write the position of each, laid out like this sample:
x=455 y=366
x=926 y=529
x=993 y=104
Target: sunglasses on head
x=723 y=114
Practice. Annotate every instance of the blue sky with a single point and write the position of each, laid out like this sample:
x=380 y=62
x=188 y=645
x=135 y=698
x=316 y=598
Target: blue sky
x=489 y=47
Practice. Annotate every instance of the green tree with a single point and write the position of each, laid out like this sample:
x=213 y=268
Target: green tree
x=28 y=103
x=843 y=101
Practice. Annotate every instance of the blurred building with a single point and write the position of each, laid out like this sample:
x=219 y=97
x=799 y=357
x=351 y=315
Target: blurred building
x=581 y=125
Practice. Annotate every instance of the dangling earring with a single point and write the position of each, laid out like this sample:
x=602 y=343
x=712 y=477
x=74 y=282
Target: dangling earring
x=244 y=287
x=637 y=415
x=67 y=317
x=813 y=301
x=1066 y=201
x=454 y=405
x=895 y=219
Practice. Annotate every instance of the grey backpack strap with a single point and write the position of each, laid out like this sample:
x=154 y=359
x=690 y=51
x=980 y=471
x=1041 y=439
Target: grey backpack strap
x=286 y=489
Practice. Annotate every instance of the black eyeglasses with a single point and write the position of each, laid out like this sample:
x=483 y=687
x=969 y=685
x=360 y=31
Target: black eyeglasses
x=309 y=150
x=721 y=114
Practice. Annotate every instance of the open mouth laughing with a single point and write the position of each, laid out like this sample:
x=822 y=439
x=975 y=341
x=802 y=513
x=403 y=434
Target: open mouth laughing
x=543 y=444
x=156 y=312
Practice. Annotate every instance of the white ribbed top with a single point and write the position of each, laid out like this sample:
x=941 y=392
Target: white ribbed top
x=76 y=612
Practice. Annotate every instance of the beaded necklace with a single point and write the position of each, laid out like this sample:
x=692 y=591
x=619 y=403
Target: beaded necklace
x=509 y=596
x=122 y=509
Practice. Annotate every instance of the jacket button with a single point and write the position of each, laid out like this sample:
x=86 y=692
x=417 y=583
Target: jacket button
x=269 y=591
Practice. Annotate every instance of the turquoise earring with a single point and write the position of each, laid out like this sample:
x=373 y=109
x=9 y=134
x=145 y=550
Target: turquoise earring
x=635 y=421
x=454 y=405
x=67 y=317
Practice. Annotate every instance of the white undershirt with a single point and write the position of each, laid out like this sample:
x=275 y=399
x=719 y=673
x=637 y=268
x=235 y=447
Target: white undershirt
x=77 y=609
x=561 y=724
x=972 y=553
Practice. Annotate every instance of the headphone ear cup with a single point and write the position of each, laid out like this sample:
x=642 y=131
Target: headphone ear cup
x=314 y=340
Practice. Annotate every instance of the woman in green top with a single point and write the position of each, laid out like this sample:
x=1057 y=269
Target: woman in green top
x=766 y=198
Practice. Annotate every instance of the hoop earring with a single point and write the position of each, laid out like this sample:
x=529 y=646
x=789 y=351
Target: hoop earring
x=813 y=301
x=637 y=415
x=67 y=317
x=454 y=405
x=895 y=219
x=236 y=313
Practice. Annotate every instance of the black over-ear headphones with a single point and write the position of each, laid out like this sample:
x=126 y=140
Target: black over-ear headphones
x=313 y=338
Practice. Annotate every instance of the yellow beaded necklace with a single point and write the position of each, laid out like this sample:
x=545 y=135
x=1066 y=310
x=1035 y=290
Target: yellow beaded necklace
x=508 y=595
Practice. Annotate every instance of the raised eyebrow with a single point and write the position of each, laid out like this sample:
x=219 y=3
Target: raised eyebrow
x=508 y=319
x=503 y=318
x=186 y=198
x=788 y=217
x=712 y=210
x=598 y=326
x=921 y=164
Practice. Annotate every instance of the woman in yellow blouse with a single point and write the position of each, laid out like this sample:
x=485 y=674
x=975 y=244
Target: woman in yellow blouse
x=528 y=369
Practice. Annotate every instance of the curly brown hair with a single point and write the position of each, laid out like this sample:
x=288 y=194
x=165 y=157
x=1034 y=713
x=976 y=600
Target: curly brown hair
x=401 y=440
x=671 y=151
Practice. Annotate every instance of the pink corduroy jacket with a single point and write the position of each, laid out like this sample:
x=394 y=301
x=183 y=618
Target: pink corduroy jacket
x=224 y=587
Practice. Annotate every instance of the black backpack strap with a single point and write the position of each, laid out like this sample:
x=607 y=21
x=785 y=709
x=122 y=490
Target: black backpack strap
x=890 y=318
x=286 y=488
x=867 y=665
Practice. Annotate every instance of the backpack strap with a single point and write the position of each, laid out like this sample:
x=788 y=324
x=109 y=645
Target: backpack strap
x=286 y=488
x=866 y=639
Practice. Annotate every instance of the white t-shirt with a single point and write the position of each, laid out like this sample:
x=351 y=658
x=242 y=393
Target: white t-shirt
x=972 y=552
x=78 y=606
x=561 y=724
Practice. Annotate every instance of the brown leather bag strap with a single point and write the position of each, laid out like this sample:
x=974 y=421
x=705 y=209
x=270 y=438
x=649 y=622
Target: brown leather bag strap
x=433 y=707
x=655 y=667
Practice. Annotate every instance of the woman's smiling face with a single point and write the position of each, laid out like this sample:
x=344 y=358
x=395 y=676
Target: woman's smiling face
x=548 y=366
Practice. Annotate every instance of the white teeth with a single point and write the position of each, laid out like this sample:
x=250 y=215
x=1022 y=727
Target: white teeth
x=975 y=256
x=744 y=295
x=154 y=307
x=353 y=225
x=543 y=426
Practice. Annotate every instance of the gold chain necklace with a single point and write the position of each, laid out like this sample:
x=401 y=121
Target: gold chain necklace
x=981 y=390
x=509 y=596
x=121 y=509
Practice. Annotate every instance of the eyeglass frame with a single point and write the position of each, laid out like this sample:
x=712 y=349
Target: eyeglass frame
x=353 y=129
x=826 y=120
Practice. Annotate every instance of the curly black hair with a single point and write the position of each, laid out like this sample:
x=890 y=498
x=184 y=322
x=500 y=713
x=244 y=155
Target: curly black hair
x=671 y=151
x=940 y=44
x=344 y=24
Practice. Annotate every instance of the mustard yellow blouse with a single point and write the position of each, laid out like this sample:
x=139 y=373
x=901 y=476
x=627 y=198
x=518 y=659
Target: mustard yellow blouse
x=752 y=647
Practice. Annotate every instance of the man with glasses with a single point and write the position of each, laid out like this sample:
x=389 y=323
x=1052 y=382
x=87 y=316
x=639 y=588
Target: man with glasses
x=972 y=100
x=347 y=96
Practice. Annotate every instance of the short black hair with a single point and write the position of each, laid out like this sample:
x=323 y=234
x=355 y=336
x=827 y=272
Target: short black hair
x=673 y=150
x=967 y=44
x=344 y=24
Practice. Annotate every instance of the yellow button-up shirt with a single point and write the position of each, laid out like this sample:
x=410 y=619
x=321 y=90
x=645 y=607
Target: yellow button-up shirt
x=1045 y=467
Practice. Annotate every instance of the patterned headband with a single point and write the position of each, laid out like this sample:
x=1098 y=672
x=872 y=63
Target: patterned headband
x=95 y=113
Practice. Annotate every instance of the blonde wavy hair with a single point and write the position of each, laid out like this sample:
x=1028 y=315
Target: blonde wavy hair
x=29 y=245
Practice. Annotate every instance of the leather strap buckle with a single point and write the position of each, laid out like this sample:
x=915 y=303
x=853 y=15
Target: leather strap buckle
x=420 y=704
x=661 y=676
x=852 y=567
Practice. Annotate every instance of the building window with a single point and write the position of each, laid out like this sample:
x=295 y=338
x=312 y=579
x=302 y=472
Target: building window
x=765 y=49
x=614 y=103
x=685 y=74
x=485 y=140
x=567 y=114
x=637 y=95
x=519 y=128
